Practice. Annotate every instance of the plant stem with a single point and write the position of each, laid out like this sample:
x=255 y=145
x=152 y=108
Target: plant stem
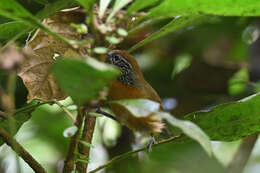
x=21 y=151
x=87 y=135
x=130 y=153
x=242 y=155
x=70 y=159
x=66 y=111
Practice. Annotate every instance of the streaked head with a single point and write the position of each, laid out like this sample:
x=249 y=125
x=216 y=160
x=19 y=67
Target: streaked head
x=126 y=64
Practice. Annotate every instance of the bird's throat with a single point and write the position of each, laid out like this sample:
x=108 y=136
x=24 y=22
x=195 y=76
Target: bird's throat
x=128 y=79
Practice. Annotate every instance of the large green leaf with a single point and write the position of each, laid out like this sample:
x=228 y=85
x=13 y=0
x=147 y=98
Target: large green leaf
x=191 y=130
x=83 y=79
x=170 y=8
x=230 y=121
x=173 y=26
x=144 y=108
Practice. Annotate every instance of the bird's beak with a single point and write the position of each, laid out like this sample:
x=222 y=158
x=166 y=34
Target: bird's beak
x=110 y=54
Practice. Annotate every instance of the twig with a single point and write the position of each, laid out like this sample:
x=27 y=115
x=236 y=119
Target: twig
x=4 y=115
x=241 y=157
x=70 y=159
x=66 y=111
x=88 y=130
x=105 y=114
x=21 y=151
x=130 y=153
x=30 y=107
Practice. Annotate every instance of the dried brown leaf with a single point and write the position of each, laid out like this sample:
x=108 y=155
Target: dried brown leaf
x=42 y=51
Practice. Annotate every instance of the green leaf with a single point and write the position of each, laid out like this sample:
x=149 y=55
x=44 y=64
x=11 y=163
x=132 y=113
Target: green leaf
x=190 y=129
x=141 y=4
x=55 y=6
x=93 y=114
x=173 y=26
x=119 y=4
x=181 y=63
x=122 y=32
x=103 y=4
x=13 y=10
x=9 y=29
x=82 y=160
x=87 y=4
x=81 y=28
x=12 y=29
x=238 y=82
x=113 y=40
x=230 y=121
x=83 y=79
x=170 y=8
x=139 y=107
x=20 y=116
x=100 y=50
x=87 y=144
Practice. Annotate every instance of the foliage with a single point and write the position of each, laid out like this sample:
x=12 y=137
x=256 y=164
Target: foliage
x=55 y=62
x=229 y=121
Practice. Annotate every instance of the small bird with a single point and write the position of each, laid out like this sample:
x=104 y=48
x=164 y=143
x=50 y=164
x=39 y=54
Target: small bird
x=132 y=85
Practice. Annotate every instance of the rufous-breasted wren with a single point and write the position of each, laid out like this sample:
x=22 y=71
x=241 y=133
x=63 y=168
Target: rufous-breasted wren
x=132 y=85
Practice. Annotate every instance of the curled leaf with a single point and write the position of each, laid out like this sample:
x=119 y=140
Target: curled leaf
x=190 y=129
x=42 y=51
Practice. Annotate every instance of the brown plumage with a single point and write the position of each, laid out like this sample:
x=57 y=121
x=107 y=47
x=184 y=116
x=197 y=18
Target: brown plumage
x=132 y=85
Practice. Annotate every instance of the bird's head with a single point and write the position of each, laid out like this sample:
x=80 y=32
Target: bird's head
x=130 y=71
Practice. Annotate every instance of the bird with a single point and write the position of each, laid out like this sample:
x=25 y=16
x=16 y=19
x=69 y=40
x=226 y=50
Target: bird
x=131 y=85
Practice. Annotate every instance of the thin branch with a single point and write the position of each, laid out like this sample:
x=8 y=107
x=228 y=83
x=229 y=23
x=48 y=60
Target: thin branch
x=242 y=155
x=4 y=115
x=105 y=114
x=66 y=111
x=87 y=135
x=70 y=159
x=130 y=153
x=30 y=107
x=21 y=151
